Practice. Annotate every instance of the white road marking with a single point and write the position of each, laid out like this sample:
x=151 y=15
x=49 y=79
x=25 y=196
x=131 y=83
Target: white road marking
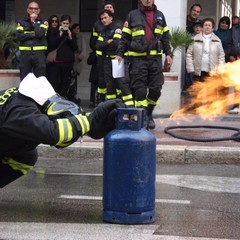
x=78 y=174
x=76 y=231
x=203 y=183
x=99 y=198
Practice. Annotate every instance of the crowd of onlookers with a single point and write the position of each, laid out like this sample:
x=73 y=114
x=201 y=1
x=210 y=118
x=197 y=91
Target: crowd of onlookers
x=210 y=47
x=54 y=49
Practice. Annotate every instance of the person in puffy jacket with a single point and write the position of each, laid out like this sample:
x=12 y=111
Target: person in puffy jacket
x=34 y=114
x=205 y=53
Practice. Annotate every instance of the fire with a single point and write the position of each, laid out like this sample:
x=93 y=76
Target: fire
x=214 y=96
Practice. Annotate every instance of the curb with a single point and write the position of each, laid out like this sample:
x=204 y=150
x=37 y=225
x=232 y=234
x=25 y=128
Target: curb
x=164 y=153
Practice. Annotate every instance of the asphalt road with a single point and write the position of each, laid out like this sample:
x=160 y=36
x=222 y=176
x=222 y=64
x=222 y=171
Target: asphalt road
x=61 y=199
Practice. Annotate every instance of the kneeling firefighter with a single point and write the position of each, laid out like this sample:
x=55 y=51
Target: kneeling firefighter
x=33 y=114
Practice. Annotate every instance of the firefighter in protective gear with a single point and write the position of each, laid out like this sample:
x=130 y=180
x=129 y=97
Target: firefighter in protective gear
x=31 y=33
x=97 y=29
x=106 y=46
x=145 y=35
x=34 y=114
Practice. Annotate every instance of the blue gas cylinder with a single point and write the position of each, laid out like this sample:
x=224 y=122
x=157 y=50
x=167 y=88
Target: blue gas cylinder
x=129 y=168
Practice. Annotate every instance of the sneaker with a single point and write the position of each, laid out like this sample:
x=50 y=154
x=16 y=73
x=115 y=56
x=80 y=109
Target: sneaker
x=234 y=111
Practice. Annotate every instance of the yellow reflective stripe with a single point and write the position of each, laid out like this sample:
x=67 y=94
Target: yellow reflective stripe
x=158 y=31
x=126 y=54
x=127 y=97
x=143 y=103
x=15 y=165
x=129 y=103
x=112 y=96
x=118 y=91
x=152 y=53
x=20 y=28
x=150 y=101
x=35 y=48
x=43 y=26
x=65 y=132
x=83 y=121
x=136 y=54
x=99 y=53
x=155 y=52
x=117 y=35
x=101 y=39
x=138 y=33
x=165 y=29
x=102 y=90
x=28 y=32
x=95 y=34
x=127 y=30
x=111 y=56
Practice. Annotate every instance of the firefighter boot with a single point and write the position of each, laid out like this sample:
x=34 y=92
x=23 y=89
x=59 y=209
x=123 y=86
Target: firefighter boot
x=151 y=123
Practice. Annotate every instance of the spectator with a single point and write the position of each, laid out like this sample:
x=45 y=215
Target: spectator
x=65 y=41
x=93 y=78
x=193 y=16
x=189 y=77
x=52 y=33
x=97 y=28
x=146 y=76
x=31 y=33
x=205 y=52
x=236 y=35
x=36 y=114
x=197 y=28
x=235 y=21
x=107 y=44
x=225 y=34
x=79 y=54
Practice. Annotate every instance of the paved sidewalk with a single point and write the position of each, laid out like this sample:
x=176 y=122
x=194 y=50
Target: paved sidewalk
x=171 y=149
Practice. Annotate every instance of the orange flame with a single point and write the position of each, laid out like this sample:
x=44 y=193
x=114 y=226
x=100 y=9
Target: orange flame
x=214 y=96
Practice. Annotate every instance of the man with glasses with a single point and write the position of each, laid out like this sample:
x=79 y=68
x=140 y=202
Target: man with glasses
x=31 y=33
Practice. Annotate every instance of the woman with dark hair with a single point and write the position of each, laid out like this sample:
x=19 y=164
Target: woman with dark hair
x=53 y=25
x=65 y=43
x=225 y=34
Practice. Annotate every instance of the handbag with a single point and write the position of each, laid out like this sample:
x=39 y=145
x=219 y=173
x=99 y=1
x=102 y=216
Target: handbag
x=51 y=56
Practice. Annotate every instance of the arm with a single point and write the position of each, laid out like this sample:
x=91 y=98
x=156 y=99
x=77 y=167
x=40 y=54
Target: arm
x=189 y=59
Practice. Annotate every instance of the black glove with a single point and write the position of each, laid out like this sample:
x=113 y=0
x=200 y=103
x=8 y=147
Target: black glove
x=102 y=119
x=59 y=107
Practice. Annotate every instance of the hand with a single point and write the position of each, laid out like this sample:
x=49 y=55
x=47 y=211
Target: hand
x=169 y=60
x=33 y=17
x=102 y=119
x=58 y=107
x=119 y=58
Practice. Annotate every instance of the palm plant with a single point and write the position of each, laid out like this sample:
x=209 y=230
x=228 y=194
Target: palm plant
x=179 y=38
x=8 y=41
